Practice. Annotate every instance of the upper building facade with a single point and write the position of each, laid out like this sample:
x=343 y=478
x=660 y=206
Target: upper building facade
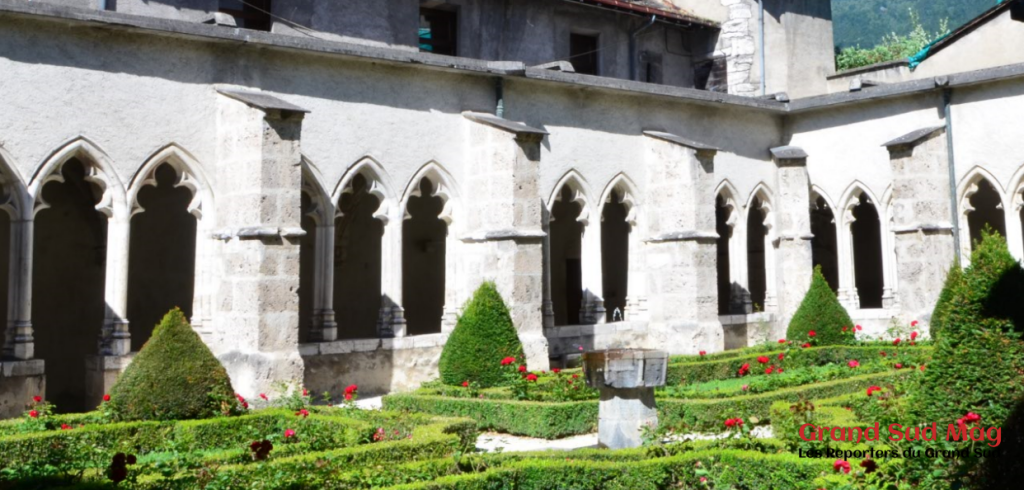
x=321 y=191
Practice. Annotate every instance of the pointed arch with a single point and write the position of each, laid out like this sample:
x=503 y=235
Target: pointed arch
x=851 y=199
x=627 y=195
x=379 y=181
x=99 y=170
x=581 y=193
x=14 y=198
x=968 y=186
x=762 y=192
x=443 y=186
x=189 y=174
x=731 y=198
x=322 y=210
x=825 y=248
x=1015 y=189
x=817 y=192
x=979 y=208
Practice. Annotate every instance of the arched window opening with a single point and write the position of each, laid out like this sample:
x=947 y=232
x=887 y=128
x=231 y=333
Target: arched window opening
x=69 y=253
x=722 y=244
x=566 y=235
x=986 y=210
x=615 y=230
x=824 y=245
x=757 y=232
x=162 y=257
x=357 y=262
x=424 y=235
x=867 y=253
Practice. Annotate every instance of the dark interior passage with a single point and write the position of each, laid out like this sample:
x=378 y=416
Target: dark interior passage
x=756 y=263
x=867 y=253
x=69 y=260
x=423 y=262
x=988 y=212
x=566 y=273
x=824 y=247
x=162 y=256
x=357 y=263
x=307 y=269
x=615 y=256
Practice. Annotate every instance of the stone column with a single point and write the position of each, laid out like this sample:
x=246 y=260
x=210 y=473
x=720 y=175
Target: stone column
x=680 y=245
x=793 y=262
x=502 y=237
x=921 y=215
x=19 y=342
x=116 y=339
x=592 y=308
x=324 y=327
x=847 y=292
x=391 y=322
x=259 y=171
x=739 y=278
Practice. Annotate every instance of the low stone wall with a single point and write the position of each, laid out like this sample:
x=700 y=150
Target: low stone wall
x=19 y=382
x=377 y=366
x=746 y=330
x=564 y=342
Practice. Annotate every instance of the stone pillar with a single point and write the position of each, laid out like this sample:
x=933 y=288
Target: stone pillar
x=739 y=277
x=502 y=237
x=626 y=380
x=680 y=245
x=592 y=308
x=19 y=342
x=793 y=261
x=116 y=340
x=391 y=322
x=847 y=292
x=259 y=171
x=324 y=327
x=921 y=215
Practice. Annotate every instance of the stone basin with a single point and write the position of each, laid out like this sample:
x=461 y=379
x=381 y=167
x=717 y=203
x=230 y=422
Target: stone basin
x=626 y=379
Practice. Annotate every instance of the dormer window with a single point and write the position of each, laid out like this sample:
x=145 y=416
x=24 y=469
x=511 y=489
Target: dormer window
x=248 y=14
x=438 y=31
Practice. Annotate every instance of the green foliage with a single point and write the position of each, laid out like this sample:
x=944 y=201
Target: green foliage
x=173 y=377
x=483 y=336
x=953 y=280
x=865 y=23
x=892 y=47
x=548 y=420
x=821 y=313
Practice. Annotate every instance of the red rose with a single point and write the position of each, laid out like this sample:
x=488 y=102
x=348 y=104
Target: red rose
x=508 y=360
x=913 y=335
x=782 y=341
x=465 y=384
x=703 y=353
x=289 y=433
x=762 y=360
x=896 y=342
x=37 y=398
x=305 y=392
x=106 y=398
x=844 y=329
x=872 y=389
x=853 y=364
x=842 y=466
x=899 y=366
x=730 y=423
x=769 y=370
x=913 y=323
x=883 y=353
x=972 y=417
x=779 y=370
x=922 y=368
x=806 y=345
x=263 y=396
x=556 y=370
x=703 y=479
x=575 y=376
x=245 y=404
x=531 y=377
x=811 y=333
x=782 y=355
x=34 y=414
x=869 y=465
x=858 y=328
x=351 y=389
x=65 y=427
x=302 y=413
x=348 y=397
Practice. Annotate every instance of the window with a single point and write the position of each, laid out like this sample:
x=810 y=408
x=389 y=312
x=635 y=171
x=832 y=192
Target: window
x=248 y=14
x=583 y=53
x=438 y=31
x=711 y=75
x=651 y=63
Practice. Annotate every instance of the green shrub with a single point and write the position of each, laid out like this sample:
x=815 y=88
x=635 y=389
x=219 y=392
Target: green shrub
x=547 y=420
x=483 y=336
x=953 y=280
x=173 y=377
x=821 y=312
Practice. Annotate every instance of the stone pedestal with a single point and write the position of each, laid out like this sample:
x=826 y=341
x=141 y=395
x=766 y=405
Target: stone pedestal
x=626 y=379
x=20 y=381
x=101 y=374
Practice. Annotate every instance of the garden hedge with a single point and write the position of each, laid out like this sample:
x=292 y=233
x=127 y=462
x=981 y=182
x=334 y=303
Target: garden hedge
x=173 y=377
x=548 y=420
x=953 y=280
x=483 y=336
x=821 y=312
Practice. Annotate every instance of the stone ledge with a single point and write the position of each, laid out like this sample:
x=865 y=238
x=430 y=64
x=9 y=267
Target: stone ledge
x=683 y=236
x=260 y=100
x=498 y=235
x=14 y=369
x=350 y=346
x=913 y=138
x=517 y=128
x=729 y=320
x=926 y=228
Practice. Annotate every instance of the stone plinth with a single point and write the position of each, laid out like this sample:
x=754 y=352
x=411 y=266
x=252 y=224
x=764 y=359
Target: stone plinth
x=626 y=379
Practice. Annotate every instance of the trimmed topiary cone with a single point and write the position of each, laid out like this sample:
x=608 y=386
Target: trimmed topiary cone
x=483 y=336
x=173 y=377
x=821 y=312
x=953 y=280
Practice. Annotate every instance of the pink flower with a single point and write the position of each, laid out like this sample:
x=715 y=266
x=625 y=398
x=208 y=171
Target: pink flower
x=703 y=479
x=812 y=333
x=37 y=398
x=106 y=398
x=746 y=387
x=853 y=364
x=289 y=433
x=531 y=377
x=581 y=348
x=913 y=335
x=842 y=466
